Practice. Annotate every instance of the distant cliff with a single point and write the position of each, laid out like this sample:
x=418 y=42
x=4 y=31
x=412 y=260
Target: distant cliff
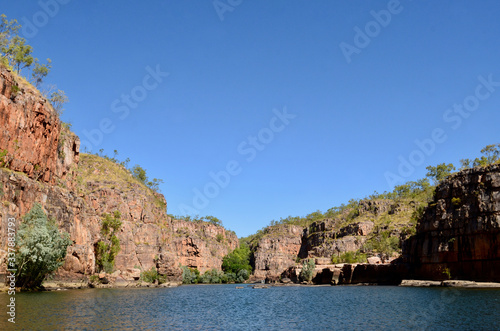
x=281 y=247
x=41 y=163
x=458 y=236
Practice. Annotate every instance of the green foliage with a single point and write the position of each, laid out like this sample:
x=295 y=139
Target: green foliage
x=491 y=154
x=190 y=275
x=8 y=29
x=108 y=248
x=40 y=71
x=111 y=223
x=94 y=278
x=213 y=220
x=382 y=242
x=418 y=213
x=456 y=201
x=18 y=53
x=41 y=248
x=219 y=238
x=238 y=259
x=149 y=276
x=465 y=164
x=447 y=273
x=197 y=219
x=140 y=174
x=3 y=158
x=439 y=172
x=242 y=276
x=349 y=257
x=307 y=270
x=58 y=99
x=212 y=276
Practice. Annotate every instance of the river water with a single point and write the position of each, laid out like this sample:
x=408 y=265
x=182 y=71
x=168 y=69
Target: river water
x=223 y=307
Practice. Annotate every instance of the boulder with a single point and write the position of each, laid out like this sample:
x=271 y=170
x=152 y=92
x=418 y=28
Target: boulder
x=374 y=260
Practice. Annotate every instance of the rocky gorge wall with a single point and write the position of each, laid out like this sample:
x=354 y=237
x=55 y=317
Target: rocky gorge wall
x=42 y=164
x=278 y=251
x=458 y=235
x=31 y=133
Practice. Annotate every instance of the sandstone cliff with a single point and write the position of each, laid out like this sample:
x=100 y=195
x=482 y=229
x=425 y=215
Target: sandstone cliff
x=31 y=133
x=42 y=164
x=279 y=249
x=458 y=236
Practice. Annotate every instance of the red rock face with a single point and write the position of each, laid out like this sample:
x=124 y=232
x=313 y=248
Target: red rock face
x=76 y=191
x=31 y=133
x=460 y=230
x=147 y=236
x=277 y=251
x=201 y=246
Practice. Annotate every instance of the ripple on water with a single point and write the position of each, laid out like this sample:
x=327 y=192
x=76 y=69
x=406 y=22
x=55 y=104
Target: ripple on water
x=223 y=307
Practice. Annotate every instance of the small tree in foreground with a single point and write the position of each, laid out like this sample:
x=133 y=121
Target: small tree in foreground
x=41 y=248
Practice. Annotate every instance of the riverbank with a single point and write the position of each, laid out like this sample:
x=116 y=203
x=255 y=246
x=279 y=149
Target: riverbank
x=69 y=285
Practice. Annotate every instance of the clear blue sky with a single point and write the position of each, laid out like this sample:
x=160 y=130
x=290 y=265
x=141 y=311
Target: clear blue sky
x=354 y=120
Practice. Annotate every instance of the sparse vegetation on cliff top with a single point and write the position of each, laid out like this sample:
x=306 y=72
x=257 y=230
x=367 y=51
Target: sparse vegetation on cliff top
x=17 y=55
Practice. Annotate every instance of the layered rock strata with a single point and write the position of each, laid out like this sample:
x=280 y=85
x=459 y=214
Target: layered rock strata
x=458 y=235
x=41 y=163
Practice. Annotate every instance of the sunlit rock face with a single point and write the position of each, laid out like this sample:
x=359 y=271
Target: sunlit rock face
x=459 y=233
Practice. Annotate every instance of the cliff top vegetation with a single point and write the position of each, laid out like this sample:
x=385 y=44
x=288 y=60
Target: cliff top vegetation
x=392 y=212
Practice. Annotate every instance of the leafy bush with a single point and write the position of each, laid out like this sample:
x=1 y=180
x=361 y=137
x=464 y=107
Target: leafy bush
x=350 y=257
x=94 y=278
x=382 y=242
x=212 y=276
x=41 y=248
x=440 y=172
x=190 y=275
x=149 y=276
x=219 y=238
x=242 y=276
x=140 y=174
x=238 y=259
x=3 y=158
x=307 y=270
x=17 y=55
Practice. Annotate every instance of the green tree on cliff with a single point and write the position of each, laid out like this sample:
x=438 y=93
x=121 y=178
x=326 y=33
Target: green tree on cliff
x=16 y=54
x=109 y=246
x=8 y=29
x=491 y=154
x=40 y=71
x=41 y=248
x=439 y=172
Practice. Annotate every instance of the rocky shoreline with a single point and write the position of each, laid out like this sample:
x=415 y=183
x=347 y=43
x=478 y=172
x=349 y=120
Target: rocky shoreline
x=73 y=285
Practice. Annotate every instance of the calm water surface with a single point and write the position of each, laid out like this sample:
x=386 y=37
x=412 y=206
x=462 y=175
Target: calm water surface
x=223 y=307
